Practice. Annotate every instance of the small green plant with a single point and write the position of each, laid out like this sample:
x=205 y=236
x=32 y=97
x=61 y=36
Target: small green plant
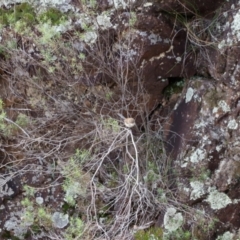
x=153 y=233
x=3 y=51
x=53 y=16
x=152 y=174
x=28 y=214
x=22 y=120
x=202 y=226
x=81 y=156
x=3 y=17
x=11 y=44
x=133 y=19
x=75 y=229
x=34 y=216
x=48 y=32
x=73 y=190
x=20 y=16
x=21 y=27
x=93 y=3
x=82 y=56
x=26 y=202
x=173 y=88
x=89 y=3
x=109 y=95
x=111 y=124
x=48 y=56
x=7 y=126
x=28 y=217
x=75 y=183
x=161 y=195
x=3 y=125
x=204 y=175
x=201 y=174
x=29 y=191
x=44 y=217
x=179 y=234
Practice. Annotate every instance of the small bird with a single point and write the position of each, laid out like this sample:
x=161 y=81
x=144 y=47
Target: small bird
x=128 y=122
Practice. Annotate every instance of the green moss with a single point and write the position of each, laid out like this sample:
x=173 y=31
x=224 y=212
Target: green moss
x=3 y=52
x=52 y=15
x=75 y=229
x=8 y=235
x=23 y=12
x=36 y=229
x=180 y=234
x=3 y=17
x=67 y=207
x=24 y=8
x=154 y=233
x=28 y=18
x=173 y=88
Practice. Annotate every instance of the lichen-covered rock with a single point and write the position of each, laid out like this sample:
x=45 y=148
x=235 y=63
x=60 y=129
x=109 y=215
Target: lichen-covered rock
x=222 y=60
x=203 y=139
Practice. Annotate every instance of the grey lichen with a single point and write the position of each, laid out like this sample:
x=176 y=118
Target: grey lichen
x=223 y=105
x=39 y=200
x=60 y=220
x=197 y=156
x=14 y=224
x=118 y=4
x=232 y=124
x=189 y=95
x=235 y=26
x=226 y=236
x=5 y=190
x=172 y=220
x=104 y=21
x=154 y=38
x=198 y=190
x=90 y=37
x=218 y=200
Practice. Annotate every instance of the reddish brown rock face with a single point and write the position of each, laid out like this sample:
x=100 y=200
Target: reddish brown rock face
x=230 y=215
x=155 y=48
x=178 y=129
